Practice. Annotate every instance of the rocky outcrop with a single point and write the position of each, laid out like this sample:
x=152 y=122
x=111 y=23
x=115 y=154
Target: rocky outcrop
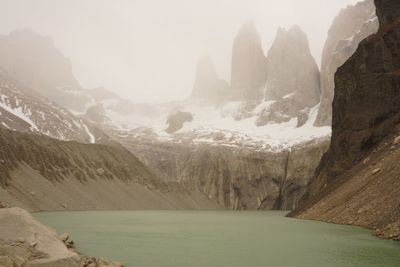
x=177 y=120
x=33 y=60
x=235 y=178
x=293 y=85
x=357 y=180
x=248 y=73
x=26 y=242
x=207 y=86
x=348 y=29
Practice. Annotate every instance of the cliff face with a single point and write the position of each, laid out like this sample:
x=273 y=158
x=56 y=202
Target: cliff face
x=248 y=73
x=359 y=173
x=207 y=85
x=235 y=178
x=292 y=77
x=348 y=29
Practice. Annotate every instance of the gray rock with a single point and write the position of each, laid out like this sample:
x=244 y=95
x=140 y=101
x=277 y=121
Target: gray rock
x=207 y=86
x=177 y=120
x=293 y=80
x=6 y=261
x=248 y=74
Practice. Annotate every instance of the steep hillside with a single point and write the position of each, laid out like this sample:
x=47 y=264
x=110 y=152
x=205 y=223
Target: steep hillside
x=357 y=181
x=40 y=173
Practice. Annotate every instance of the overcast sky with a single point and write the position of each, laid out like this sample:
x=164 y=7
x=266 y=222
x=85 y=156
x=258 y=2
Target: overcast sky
x=146 y=50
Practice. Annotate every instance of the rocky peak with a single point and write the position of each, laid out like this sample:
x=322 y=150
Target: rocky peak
x=290 y=66
x=292 y=77
x=248 y=64
x=349 y=28
x=387 y=10
x=33 y=60
x=207 y=85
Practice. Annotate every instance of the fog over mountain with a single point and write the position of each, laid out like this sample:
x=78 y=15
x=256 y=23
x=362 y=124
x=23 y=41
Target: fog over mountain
x=148 y=50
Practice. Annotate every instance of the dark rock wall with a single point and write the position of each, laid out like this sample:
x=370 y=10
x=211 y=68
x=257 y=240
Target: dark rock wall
x=348 y=29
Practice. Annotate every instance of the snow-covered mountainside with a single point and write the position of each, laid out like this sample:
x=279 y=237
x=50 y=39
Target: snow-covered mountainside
x=231 y=124
x=23 y=110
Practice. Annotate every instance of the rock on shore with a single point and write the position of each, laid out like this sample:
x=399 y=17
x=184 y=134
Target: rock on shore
x=27 y=242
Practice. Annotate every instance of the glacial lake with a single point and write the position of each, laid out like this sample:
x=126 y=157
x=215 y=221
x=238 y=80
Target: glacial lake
x=220 y=239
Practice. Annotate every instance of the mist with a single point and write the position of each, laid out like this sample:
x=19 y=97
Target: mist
x=147 y=51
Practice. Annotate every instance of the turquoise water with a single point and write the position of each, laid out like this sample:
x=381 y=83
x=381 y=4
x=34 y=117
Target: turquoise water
x=220 y=239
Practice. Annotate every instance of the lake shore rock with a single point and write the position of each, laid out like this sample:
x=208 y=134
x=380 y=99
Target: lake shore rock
x=27 y=242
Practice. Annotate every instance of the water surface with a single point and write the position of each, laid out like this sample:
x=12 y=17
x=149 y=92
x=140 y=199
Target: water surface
x=220 y=239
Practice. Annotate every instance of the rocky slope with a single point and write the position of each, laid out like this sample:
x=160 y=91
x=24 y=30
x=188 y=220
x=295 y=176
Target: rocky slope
x=235 y=178
x=293 y=85
x=348 y=29
x=26 y=242
x=207 y=86
x=357 y=180
x=248 y=73
x=24 y=110
x=40 y=173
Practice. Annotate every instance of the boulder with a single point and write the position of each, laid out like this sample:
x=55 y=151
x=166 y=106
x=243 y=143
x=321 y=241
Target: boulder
x=176 y=121
x=42 y=247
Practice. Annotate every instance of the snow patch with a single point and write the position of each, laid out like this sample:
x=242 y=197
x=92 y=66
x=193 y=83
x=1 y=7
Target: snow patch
x=92 y=138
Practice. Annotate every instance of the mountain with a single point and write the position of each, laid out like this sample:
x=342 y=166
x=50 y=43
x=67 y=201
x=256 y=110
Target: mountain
x=24 y=110
x=357 y=179
x=248 y=74
x=348 y=29
x=293 y=86
x=207 y=151
x=207 y=86
x=33 y=60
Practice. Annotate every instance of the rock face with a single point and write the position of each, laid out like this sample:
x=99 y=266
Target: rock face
x=236 y=178
x=360 y=170
x=33 y=60
x=348 y=29
x=26 y=242
x=207 y=85
x=248 y=73
x=292 y=77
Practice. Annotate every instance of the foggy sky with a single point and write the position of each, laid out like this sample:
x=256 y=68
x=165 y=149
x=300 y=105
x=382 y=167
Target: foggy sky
x=146 y=50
